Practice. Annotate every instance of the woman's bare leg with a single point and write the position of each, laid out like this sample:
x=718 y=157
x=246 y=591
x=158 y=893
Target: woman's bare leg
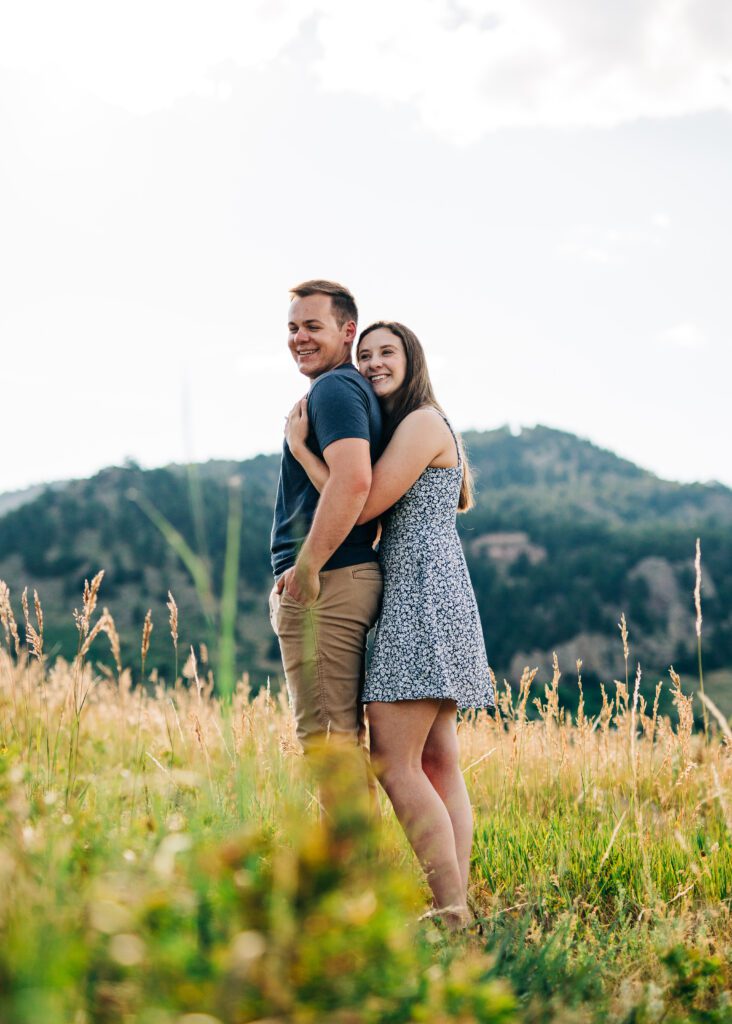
x=399 y=731
x=441 y=764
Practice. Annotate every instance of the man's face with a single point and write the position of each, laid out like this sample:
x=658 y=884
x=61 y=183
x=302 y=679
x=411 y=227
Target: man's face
x=316 y=341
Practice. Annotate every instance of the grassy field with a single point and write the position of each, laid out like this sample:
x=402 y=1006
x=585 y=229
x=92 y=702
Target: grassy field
x=163 y=860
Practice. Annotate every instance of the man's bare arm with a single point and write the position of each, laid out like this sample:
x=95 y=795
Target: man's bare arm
x=341 y=502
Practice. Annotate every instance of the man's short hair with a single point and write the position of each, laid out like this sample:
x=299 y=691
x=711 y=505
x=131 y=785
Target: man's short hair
x=342 y=302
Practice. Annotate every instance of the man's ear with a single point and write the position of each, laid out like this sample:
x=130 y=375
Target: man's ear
x=351 y=331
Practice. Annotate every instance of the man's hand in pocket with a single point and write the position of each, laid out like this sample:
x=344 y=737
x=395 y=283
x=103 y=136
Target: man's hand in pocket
x=301 y=586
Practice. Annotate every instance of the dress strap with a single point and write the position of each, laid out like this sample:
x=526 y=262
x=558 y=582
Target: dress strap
x=454 y=437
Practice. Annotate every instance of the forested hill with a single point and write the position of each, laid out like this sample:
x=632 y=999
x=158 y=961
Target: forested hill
x=564 y=538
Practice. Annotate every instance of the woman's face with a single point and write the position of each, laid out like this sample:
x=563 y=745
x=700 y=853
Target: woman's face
x=382 y=361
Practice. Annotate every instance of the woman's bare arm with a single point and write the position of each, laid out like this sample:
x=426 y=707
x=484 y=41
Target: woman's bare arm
x=419 y=439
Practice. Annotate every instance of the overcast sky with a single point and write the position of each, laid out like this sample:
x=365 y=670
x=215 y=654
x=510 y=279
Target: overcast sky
x=540 y=188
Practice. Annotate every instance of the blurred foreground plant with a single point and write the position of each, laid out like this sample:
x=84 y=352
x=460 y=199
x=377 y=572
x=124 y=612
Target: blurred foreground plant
x=311 y=925
x=177 y=867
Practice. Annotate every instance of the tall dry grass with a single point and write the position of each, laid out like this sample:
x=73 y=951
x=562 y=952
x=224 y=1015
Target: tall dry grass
x=602 y=866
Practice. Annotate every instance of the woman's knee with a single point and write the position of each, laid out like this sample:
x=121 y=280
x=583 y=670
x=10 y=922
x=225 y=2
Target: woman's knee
x=392 y=768
x=389 y=755
x=440 y=760
x=440 y=755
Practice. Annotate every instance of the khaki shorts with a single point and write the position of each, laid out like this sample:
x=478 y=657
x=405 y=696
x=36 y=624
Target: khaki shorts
x=323 y=651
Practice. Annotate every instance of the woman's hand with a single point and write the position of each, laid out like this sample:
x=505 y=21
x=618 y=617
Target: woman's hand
x=297 y=426
x=297 y=429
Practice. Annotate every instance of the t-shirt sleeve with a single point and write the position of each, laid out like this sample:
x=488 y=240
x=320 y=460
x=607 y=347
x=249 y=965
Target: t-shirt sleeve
x=338 y=408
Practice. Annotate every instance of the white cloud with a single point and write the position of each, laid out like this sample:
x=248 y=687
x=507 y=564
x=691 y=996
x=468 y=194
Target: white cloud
x=591 y=243
x=557 y=63
x=143 y=56
x=464 y=67
x=686 y=336
x=584 y=251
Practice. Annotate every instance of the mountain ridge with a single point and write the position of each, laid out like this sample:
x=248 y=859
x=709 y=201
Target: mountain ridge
x=16 y=497
x=565 y=537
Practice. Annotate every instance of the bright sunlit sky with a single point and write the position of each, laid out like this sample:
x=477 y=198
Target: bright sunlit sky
x=542 y=189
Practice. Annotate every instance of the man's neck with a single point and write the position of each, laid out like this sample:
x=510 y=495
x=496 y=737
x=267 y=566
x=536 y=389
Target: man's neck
x=346 y=362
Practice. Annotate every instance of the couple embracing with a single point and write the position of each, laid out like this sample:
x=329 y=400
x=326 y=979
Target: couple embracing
x=370 y=449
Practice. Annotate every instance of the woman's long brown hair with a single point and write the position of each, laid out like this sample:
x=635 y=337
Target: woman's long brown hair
x=416 y=392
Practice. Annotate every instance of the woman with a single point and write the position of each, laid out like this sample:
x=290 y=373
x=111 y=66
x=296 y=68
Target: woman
x=428 y=657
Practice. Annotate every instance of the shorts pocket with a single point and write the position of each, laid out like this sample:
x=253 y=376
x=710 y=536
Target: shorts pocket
x=287 y=600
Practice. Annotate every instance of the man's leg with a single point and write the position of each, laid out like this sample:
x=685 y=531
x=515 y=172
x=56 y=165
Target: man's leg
x=351 y=603
x=323 y=652
x=296 y=631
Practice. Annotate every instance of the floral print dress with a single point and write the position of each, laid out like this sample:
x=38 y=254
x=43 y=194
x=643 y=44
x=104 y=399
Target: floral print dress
x=429 y=640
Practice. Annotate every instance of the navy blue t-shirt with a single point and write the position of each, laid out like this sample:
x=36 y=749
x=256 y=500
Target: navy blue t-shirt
x=340 y=404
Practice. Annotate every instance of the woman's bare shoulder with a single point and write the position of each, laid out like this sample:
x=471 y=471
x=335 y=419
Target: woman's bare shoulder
x=424 y=417
x=423 y=430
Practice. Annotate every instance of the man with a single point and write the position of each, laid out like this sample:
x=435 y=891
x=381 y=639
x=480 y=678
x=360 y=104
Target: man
x=327 y=578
